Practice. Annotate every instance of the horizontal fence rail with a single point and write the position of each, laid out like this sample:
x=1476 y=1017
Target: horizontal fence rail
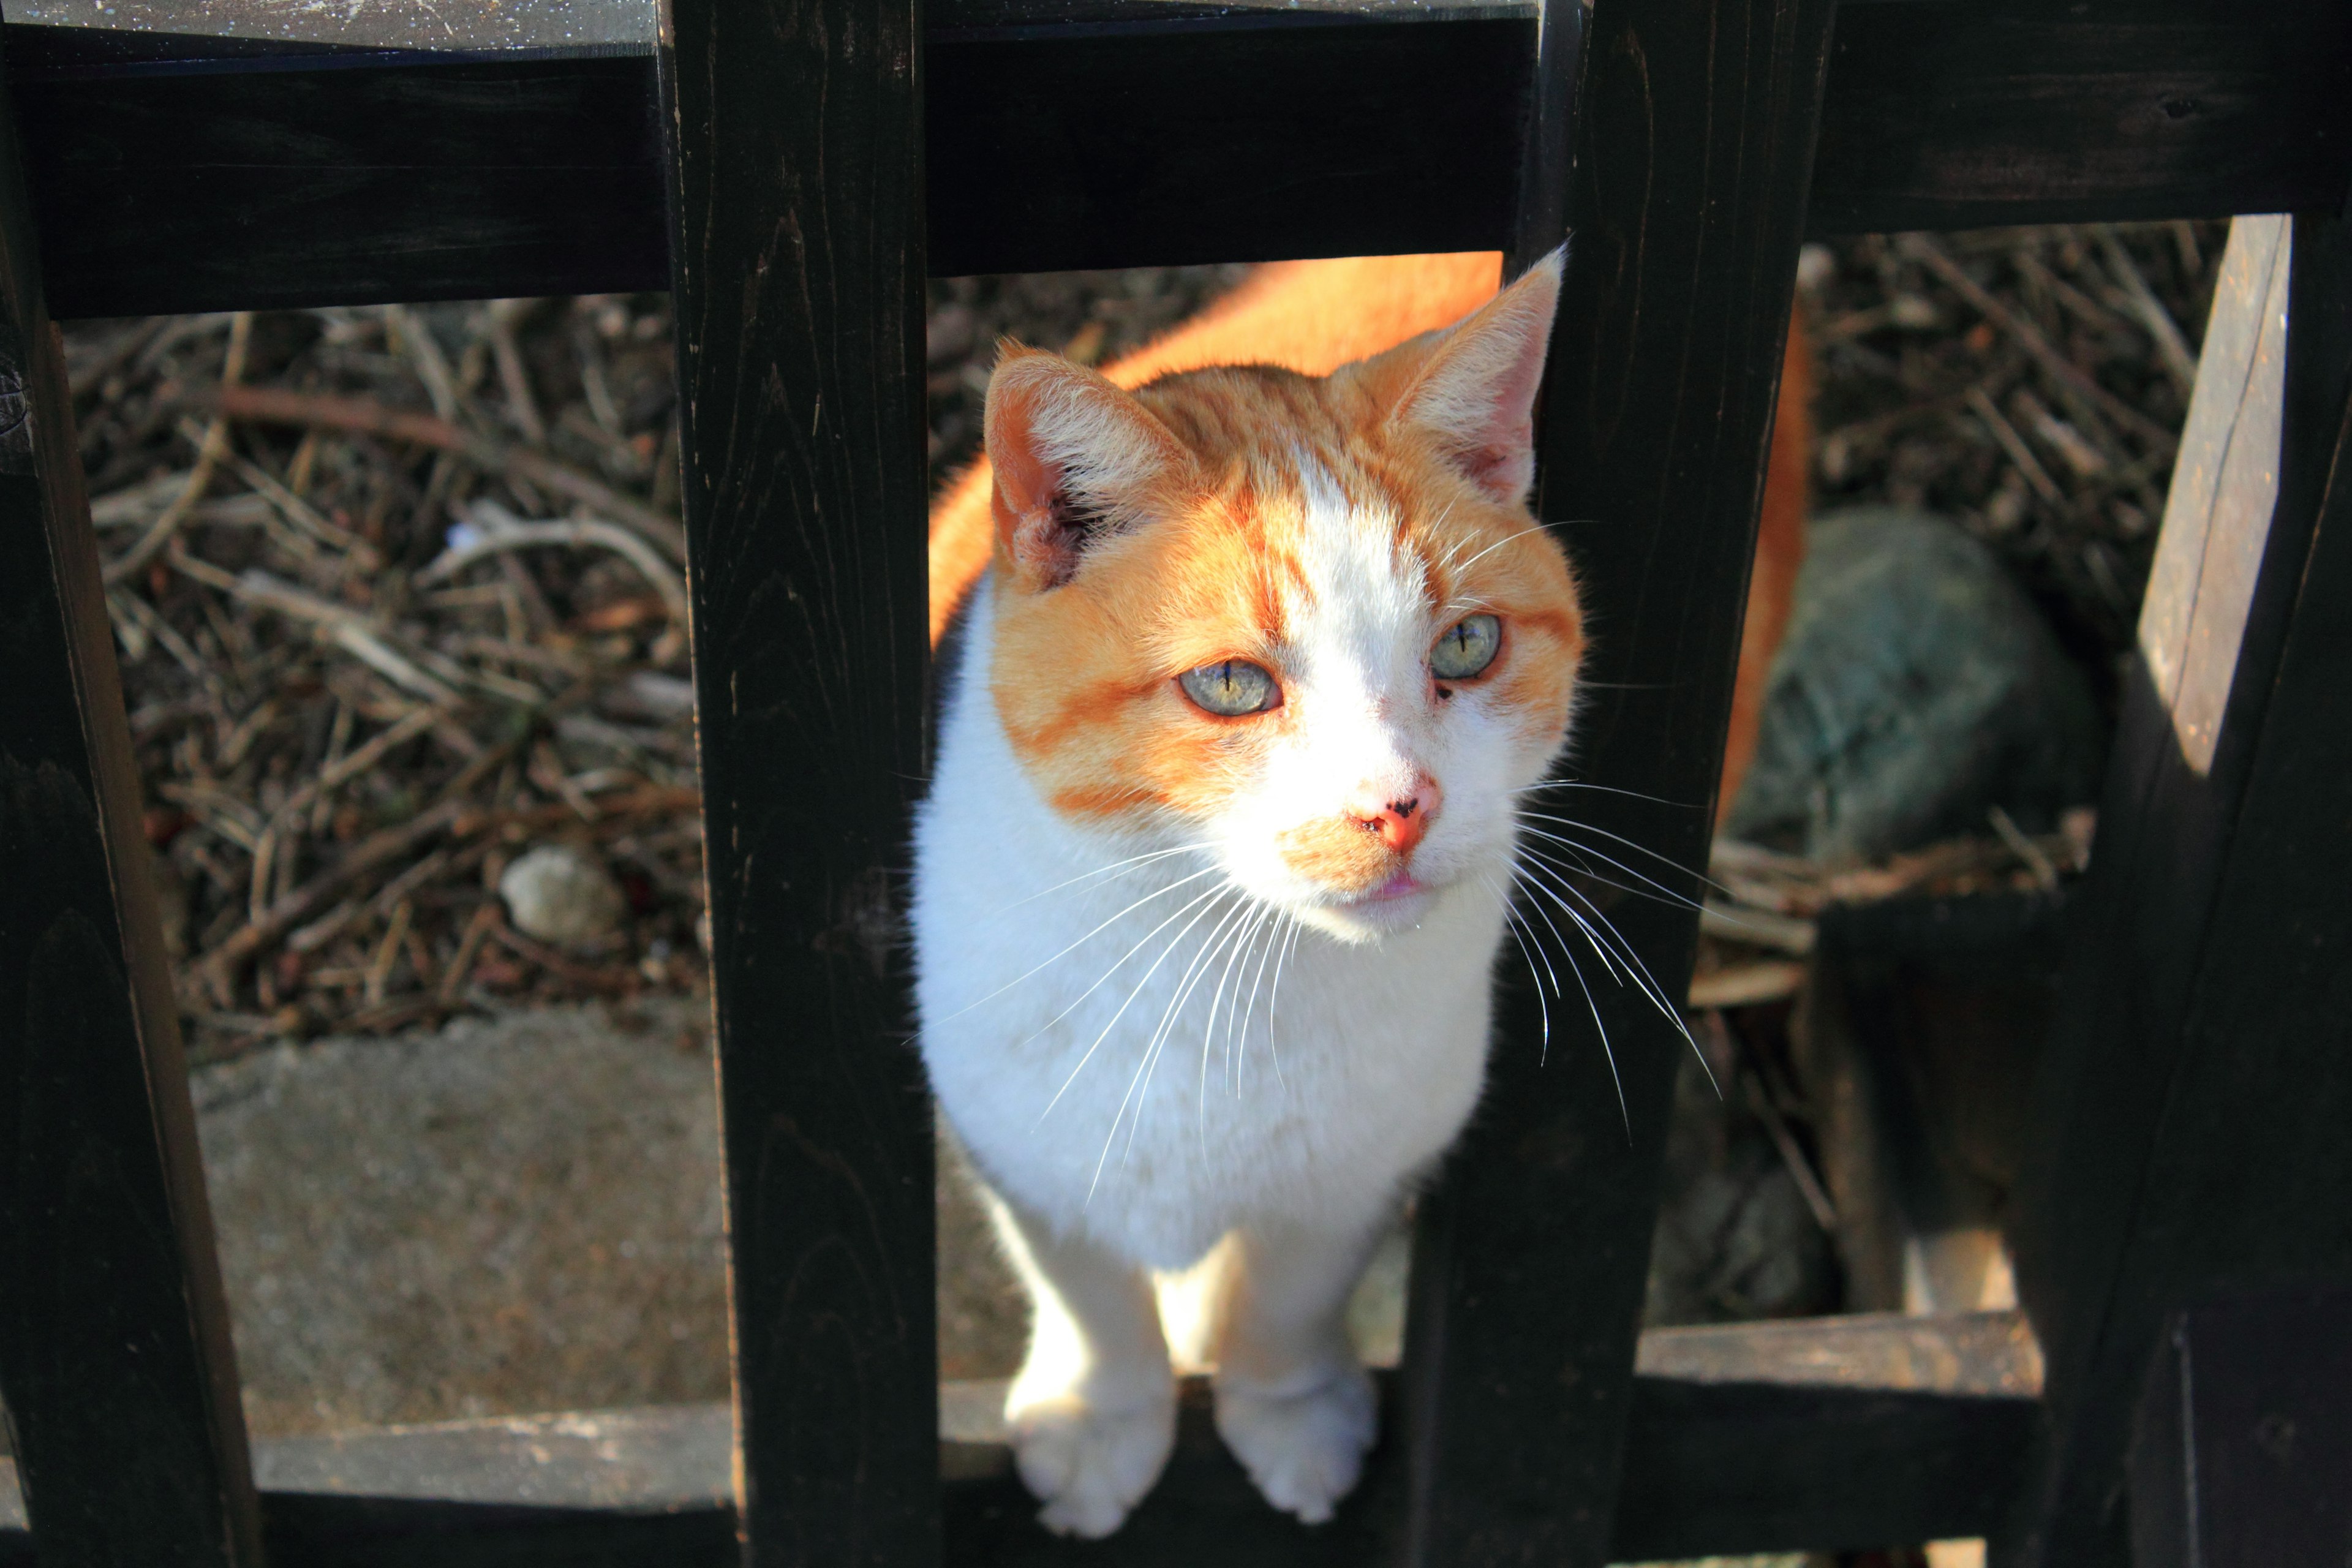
x=1857 y=1432
x=183 y=174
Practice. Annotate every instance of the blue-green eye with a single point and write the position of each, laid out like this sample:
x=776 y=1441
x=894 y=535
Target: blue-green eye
x=1230 y=688
x=1466 y=648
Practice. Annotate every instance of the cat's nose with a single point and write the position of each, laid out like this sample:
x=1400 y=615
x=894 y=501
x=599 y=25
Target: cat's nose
x=1402 y=819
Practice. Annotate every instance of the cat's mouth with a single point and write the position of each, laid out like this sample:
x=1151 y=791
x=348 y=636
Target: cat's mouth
x=1393 y=905
x=1403 y=885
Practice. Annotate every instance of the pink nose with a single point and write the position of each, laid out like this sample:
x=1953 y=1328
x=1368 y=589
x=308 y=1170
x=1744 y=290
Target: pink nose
x=1403 y=820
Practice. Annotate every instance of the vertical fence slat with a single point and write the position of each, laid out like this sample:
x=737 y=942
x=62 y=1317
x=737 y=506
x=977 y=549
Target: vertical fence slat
x=795 y=138
x=1693 y=151
x=114 y=1342
x=2188 y=1130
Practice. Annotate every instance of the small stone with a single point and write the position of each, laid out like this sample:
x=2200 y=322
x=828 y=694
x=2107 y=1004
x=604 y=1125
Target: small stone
x=560 y=894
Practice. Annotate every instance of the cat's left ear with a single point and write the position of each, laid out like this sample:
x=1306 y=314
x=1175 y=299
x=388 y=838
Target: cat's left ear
x=1478 y=391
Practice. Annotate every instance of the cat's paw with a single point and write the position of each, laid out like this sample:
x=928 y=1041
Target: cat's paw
x=1304 y=1447
x=1088 y=1461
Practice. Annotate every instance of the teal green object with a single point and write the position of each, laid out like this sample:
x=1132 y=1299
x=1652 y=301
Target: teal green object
x=1918 y=687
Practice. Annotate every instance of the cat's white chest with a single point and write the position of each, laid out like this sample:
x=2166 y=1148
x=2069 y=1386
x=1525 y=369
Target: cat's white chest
x=1143 y=1055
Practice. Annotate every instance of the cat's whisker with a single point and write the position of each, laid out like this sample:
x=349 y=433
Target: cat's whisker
x=1518 y=879
x=1114 y=866
x=1236 y=949
x=1538 y=787
x=1194 y=973
x=1592 y=1004
x=1521 y=533
x=1645 y=981
x=1543 y=1008
x=1608 y=961
x=1626 y=958
x=1511 y=923
x=1277 y=928
x=1224 y=937
x=1234 y=1009
x=1608 y=1051
x=1112 y=1136
x=1273 y=1048
x=1081 y=942
x=1264 y=923
x=1632 y=965
x=1211 y=894
x=1656 y=891
x=1438 y=527
x=1666 y=860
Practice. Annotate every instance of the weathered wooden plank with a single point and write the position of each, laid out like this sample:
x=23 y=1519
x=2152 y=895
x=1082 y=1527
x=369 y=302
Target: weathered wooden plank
x=204 y=173
x=1248 y=137
x=1867 y=1430
x=2241 y=1455
x=1968 y=113
x=239 y=178
x=2187 y=1134
x=114 y=1346
x=796 y=130
x=1693 y=146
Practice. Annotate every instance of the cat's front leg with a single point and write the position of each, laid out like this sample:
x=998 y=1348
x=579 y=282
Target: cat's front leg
x=1093 y=1411
x=1294 y=1403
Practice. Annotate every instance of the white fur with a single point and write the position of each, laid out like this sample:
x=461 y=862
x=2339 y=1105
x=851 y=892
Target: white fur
x=1145 y=1059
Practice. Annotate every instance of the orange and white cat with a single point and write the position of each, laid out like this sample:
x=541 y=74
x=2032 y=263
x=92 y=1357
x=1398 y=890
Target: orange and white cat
x=1221 y=843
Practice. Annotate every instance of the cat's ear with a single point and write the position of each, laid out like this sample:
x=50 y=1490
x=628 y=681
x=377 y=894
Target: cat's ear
x=1476 y=392
x=1076 y=460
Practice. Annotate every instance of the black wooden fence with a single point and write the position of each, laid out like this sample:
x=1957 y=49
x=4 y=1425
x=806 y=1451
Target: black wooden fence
x=792 y=169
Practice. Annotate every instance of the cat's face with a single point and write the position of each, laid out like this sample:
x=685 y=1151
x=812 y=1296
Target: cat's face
x=1307 y=622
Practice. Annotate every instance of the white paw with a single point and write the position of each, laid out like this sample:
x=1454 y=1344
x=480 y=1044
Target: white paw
x=1303 y=1449
x=1089 y=1463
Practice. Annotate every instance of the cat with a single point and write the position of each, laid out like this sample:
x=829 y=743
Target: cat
x=1315 y=316
x=1256 y=661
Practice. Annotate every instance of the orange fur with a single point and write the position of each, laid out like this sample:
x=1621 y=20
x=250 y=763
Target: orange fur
x=1308 y=318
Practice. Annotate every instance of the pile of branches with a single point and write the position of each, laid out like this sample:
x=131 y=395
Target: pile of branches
x=398 y=593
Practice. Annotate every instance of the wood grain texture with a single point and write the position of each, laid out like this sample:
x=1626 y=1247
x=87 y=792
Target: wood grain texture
x=1967 y=113
x=202 y=173
x=1865 y=1430
x=797 y=133
x=226 y=178
x=114 y=1347
x=1253 y=137
x=2188 y=1132
x=2242 y=1449
x=1692 y=151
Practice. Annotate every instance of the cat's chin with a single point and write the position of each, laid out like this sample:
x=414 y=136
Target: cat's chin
x=1399 y=905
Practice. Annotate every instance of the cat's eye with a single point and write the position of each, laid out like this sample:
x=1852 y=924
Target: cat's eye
x=1468 y=647
x=1230 y=688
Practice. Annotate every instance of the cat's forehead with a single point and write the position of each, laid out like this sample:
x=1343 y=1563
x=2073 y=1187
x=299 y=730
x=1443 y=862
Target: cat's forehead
x=1263 y=422
x=1360 y=584
x=1308 y=468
